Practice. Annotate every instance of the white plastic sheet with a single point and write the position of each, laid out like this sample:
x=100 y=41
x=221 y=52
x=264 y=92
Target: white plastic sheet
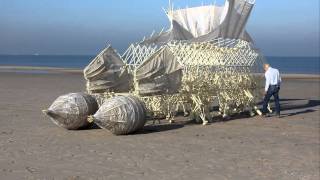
x=71 y=111
x=121 y=115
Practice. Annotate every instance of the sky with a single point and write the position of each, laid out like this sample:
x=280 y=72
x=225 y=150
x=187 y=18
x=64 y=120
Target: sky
x=84 y=27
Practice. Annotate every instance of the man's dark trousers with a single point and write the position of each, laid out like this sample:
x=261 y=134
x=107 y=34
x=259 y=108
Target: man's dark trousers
x=272 y=91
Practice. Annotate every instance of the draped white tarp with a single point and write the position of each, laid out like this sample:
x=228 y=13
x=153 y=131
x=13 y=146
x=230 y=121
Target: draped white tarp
x=205 y=23
x=161 y=73
x=107 y=72
x=234 y=18
x=197 y=20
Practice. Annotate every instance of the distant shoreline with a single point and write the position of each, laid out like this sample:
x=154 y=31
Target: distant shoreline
x=286 y=65
x=48 y=70
x=94 y=55
x=39 y=68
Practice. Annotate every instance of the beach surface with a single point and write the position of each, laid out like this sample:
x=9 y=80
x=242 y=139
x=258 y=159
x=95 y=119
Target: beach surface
x=32 y=147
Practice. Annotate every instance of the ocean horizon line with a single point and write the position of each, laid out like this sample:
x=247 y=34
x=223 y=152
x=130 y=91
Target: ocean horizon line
x=271 y=56
x=54 y=70
x=300 y=65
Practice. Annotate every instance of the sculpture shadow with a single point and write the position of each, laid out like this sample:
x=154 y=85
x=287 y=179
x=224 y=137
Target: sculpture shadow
x=309 y=104
x=297 y=113
x=147 y=129
x=156 y=128
x=238 y=116
x=282 y=100
x=289 y=105
x=91 y=126
x=286 y=105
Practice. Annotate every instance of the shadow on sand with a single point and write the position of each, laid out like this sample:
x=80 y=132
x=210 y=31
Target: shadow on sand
x=148 y=128
x=293 y=105
x=160 y=128
x=299 y=112
x=289 y=106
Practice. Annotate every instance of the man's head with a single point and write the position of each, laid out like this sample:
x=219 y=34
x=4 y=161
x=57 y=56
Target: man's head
x=266 y=67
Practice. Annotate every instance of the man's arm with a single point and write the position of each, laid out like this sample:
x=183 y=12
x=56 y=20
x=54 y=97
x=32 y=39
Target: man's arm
x=280 y=80
x=267 y=82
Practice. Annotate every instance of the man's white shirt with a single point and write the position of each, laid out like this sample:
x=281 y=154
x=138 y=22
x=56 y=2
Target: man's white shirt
x=272 y=78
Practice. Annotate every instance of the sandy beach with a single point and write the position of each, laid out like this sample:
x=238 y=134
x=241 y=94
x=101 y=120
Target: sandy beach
x=32 y=147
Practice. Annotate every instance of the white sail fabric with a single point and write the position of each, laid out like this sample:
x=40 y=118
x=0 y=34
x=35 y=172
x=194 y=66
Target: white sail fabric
x=205 y=23
x=234 y=18
x=161 y=73
x=107 y=73
x=197 y=20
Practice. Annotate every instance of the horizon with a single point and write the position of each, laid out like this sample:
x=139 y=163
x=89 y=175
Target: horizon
x=94 y=55
x=77 y=27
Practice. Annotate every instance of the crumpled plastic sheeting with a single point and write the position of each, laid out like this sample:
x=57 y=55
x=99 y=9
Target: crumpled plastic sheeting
x=205 y=23
x=197 y=20
x=159 y=74
x=71 y=111
x=121 y=115
x=237 y=14
x=107 y=72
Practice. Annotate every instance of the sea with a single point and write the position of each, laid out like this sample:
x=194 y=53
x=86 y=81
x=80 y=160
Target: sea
x=288 y=65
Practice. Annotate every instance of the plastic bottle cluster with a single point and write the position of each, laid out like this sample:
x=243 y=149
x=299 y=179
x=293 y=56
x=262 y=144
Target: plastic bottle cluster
x=121 y=115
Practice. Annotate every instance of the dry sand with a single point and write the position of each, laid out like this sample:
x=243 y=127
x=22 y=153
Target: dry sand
x=32 y=147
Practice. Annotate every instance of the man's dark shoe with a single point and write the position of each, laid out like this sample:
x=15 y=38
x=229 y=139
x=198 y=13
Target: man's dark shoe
x=278 y=115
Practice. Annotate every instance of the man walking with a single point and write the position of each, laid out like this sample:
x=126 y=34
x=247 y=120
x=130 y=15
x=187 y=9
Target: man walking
x=272 y=88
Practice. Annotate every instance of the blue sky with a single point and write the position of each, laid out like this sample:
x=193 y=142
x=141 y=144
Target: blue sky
x=279 y=27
